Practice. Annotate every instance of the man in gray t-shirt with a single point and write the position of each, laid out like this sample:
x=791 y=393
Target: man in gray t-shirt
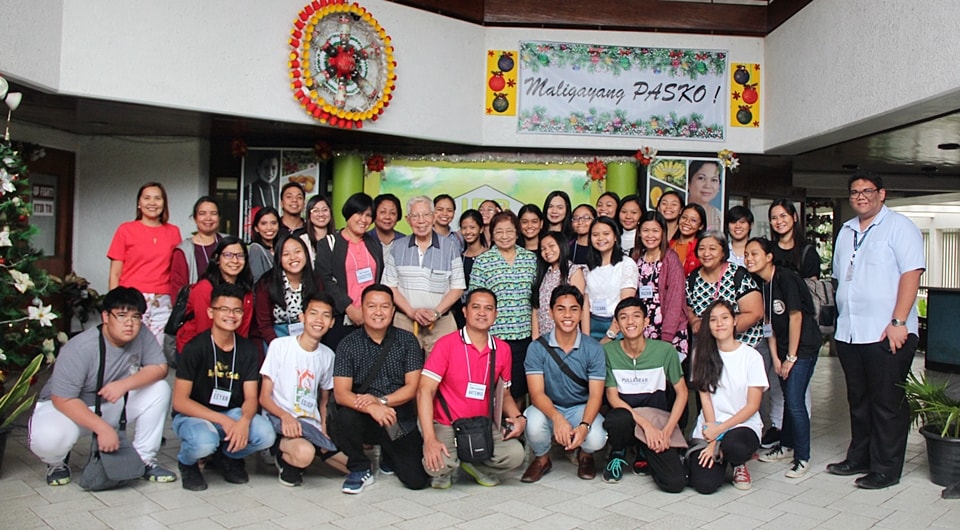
x=133 y=374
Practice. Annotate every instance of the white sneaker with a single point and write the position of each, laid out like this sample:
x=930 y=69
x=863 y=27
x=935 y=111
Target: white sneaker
x=797 y=469
x=777 y=454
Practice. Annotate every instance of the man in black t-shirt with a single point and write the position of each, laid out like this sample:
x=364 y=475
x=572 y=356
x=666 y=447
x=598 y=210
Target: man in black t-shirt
x=215 y=396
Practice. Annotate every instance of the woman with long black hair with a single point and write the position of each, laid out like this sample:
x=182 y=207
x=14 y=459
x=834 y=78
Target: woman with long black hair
x=280 y=293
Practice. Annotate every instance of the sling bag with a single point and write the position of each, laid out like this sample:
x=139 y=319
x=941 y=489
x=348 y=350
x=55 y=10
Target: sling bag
x=473 y=437
x=563 y=366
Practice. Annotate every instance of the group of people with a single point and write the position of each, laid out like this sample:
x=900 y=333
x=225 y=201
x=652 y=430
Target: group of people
x=585 y=327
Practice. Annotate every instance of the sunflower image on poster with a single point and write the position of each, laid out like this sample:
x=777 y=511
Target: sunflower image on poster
x=745 y=95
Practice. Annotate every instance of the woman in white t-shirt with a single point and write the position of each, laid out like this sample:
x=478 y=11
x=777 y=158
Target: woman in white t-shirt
x=731 y=378
x=611 y=278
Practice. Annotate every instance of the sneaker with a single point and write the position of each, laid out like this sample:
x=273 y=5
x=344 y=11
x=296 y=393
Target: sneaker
x=641 y=466
x=797 y=469
x=777 y=454
x=356 y=481
x=385 y=467
x=156 y=473
x=191 y=477
x=268 y=457
x=288 y=475
x=614 y=470
x=770 y=438
x=58 y=474
x=442 y=483
x=234 y=470
x=741 y=478
x=484 y=479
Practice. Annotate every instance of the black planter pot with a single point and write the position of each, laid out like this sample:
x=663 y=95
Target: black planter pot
x=943 y=456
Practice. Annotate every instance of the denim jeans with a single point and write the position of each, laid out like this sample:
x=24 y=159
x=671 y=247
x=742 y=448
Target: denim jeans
x=540 y=429
x=200 y=438
x=795 y=432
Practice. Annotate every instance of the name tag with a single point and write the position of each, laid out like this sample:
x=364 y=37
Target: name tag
x=307 y=404
x=767 y=329
x=645 y=291
x=295 y=328
x=476 y=390
x=220 y=397
x=849 y=276
x=364 y=275
x=598 y=307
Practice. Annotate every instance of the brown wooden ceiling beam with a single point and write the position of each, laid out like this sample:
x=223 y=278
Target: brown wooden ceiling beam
x=468 y=10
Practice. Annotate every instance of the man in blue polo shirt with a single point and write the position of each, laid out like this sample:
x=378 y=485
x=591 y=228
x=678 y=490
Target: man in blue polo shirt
x=878 y=260
x=566 y=384
x=425 y=272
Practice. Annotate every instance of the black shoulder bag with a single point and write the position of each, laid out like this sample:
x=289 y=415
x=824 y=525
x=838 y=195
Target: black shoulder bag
x=473 y=437
x=106 y=471
x=563 y=366
x=367 y=381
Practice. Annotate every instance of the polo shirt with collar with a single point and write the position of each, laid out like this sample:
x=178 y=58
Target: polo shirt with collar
x=586 y=359
x=891 y=246
x=424 y=277
x=455 y=362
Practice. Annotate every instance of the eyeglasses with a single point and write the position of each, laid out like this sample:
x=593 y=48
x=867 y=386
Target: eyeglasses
x=505 y=233
x=419 y=216
x=488 y=209
x=582 y=219
x=123 y=318
x=224 y=310
x=320 y=211
x=229 y=256
x=866 y=194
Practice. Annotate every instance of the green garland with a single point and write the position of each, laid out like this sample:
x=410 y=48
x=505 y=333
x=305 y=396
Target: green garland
x=621 y=59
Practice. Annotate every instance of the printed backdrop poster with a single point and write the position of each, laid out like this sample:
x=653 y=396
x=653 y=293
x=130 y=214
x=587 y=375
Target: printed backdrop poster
x=570 y=88
x=501 y=75
x=696 y=180
x=265 y=172
x=511 y=185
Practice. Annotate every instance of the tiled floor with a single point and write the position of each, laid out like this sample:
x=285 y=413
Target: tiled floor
x=558 y=501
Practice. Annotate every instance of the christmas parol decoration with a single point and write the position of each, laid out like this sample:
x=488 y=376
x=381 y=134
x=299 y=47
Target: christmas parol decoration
x=596 y=171
x=341 y=63
x=729 y=160
x=26 y=323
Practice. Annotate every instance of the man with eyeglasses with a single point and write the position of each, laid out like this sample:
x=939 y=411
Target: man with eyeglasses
x=425 y=273
x=133 y=378
x=215 y=396
x=878 y=259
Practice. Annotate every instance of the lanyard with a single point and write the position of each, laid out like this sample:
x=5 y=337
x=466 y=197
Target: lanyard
x=858 y=244
x=466 y=356
x=233 y=362
x=716 y=292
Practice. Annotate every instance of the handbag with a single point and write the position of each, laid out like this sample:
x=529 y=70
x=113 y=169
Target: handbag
x=105 y=471
x=473 y=436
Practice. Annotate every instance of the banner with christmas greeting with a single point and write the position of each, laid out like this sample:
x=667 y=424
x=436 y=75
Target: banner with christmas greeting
x=591 y=89
x=745 y=95
x=501 y=91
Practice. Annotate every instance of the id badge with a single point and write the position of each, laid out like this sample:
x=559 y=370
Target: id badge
x=645 y=291
x=849 y=276
x=307 y=404
x=598 y=307
x=767 y=330
x=220 y=397
x=364 y=275
x=476 y=390
x=295 y=328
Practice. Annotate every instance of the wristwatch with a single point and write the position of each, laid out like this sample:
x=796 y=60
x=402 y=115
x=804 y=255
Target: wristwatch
x=894 y=322
x=611 y=335
x=383 y=401
x=791 y=359
x=587 y=425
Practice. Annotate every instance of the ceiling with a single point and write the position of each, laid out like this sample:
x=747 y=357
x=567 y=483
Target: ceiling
x=908 y=153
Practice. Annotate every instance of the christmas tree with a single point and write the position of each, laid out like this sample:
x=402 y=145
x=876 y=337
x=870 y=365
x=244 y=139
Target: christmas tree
x=26 y=321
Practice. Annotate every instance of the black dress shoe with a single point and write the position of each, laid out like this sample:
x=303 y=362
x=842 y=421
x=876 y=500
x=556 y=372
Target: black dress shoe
x=846 y=468
x=951 y=492
x=875 y=481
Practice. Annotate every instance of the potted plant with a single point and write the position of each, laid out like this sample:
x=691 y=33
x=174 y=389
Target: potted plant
x=939 y=418
x=16 y=401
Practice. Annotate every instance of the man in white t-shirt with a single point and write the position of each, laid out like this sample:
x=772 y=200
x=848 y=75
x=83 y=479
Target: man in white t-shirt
x=297 y=380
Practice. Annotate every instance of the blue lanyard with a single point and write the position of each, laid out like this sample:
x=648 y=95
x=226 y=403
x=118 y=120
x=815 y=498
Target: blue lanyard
x=858 y=244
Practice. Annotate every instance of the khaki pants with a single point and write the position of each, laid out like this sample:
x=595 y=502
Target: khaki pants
x=427 y=336
x=507 y=454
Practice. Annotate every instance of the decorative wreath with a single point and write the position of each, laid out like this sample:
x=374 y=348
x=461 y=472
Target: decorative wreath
x=341 y=63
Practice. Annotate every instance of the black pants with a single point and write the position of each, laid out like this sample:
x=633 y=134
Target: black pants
x=879 y=415
x=737 y=447
x=666 y=468
x=337 y=332
x=354 y=428
x=518 y=384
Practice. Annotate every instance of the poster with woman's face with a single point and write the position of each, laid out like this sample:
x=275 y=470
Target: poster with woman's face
x=694 y=180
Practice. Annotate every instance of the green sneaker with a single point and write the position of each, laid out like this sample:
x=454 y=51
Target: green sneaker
x=442 y=483
x=155 y=473
x=484 y=479
x=58 y=474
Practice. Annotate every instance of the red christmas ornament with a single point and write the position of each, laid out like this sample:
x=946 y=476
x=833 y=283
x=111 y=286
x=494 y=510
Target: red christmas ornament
x=596 y=169
x=750 y=94
x=375 y=163
x=496 y=82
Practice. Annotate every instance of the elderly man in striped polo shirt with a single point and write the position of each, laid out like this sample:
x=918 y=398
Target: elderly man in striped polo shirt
x=425 y=273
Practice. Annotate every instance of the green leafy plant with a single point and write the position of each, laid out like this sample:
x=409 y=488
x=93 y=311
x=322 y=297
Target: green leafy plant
x=16 y=401
x=930 y=405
